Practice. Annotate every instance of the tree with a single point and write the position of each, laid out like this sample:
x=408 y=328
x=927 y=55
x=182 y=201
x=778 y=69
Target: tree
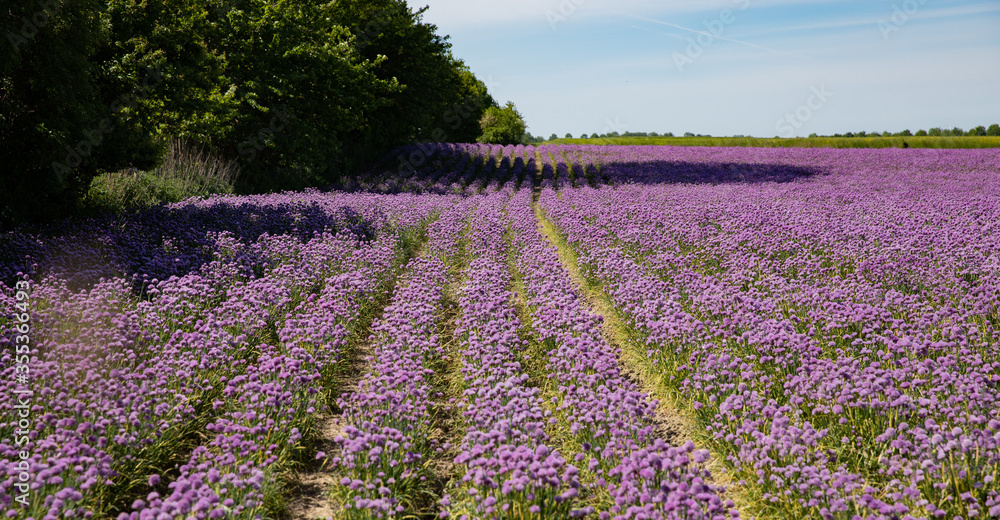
x=439 y=99
x=531 y=139
x=298 y=91
x=474 y=98
x=978 y=131
x=906 y=133
x=921 y=133
x=502 y=125
x=957 y=132
x=569 y=135
x=50 y=107
x=278 y=86
x=993 y=130
x=935 y=132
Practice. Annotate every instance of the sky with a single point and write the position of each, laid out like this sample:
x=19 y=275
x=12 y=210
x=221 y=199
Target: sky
x=732 y=67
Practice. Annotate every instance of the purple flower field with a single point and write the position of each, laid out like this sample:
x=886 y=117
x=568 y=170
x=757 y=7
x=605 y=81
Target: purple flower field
x=824 y=323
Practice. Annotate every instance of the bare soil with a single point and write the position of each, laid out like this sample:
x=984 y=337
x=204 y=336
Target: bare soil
x=309 y=489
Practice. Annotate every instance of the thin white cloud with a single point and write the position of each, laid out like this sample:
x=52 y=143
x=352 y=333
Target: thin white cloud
x=921 y=14
x=452 y=15
x=740 y=87
x=706 y=33
x=965 y=10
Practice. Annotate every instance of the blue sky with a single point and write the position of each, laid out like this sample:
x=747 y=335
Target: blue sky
x=732 y=67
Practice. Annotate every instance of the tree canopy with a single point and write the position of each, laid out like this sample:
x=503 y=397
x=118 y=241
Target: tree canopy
x=502 y=125
x=299 y=92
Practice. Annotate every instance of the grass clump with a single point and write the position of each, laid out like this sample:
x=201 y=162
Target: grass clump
x=185 y=172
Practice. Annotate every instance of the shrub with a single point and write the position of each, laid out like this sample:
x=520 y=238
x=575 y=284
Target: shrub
x=184 y=173
x=502 y=125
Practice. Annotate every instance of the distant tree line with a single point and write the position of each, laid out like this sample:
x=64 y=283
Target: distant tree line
x=612 y=134
x=993 y=130
x=296 y=92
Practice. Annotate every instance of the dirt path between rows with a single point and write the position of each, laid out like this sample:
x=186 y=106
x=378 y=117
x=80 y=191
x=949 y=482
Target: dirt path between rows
x=671 y=425
x=310 y=488
x=674 y=423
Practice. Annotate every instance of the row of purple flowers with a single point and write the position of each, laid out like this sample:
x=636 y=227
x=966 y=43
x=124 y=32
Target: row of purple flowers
x=387 y=442
x=836 y=333
x=189 y=371
x=510 y=469
x=447 y=168
x=607 y=415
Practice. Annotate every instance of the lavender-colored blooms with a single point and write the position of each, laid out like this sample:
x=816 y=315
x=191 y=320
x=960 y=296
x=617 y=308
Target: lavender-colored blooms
x=508 y=468
x=604 y=410
x=122 y=380
x=446 y=168
x=387 y=441
x=832 y=314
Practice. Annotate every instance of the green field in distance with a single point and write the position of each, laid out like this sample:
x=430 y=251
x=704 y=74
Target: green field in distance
x=798 y=142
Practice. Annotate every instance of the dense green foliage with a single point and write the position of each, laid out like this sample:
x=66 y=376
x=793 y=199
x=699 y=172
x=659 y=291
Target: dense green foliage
x=439 y=100
x=797 y=142
x=298 y=92
x=184 y=173
x=502 y=125
x=49 y=104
